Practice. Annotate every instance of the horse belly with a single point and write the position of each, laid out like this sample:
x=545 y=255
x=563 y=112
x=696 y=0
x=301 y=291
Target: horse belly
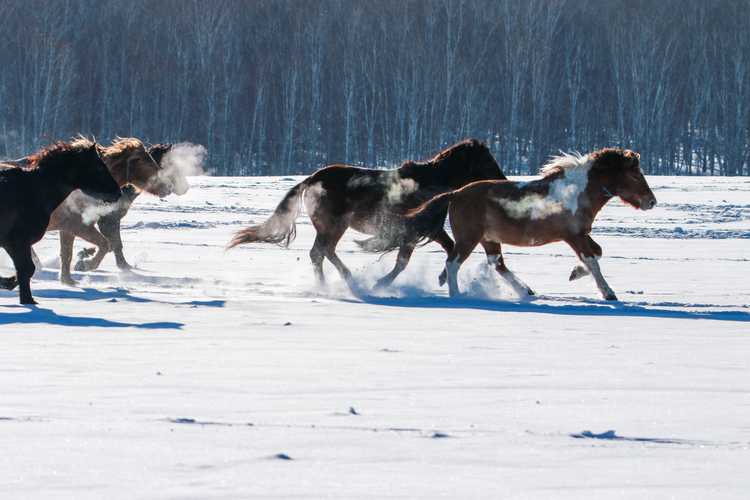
x=520 y=233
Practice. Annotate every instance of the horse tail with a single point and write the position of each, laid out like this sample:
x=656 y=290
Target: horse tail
x=280 y=228
x=423 y=223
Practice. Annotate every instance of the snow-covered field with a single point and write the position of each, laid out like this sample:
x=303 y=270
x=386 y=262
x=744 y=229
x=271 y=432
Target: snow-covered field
x=204 y=374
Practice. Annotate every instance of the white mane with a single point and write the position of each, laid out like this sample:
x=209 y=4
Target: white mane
x=573 y=164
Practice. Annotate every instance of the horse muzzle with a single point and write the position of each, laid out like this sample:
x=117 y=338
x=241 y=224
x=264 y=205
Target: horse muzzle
x=111 y=196
x=648 y=206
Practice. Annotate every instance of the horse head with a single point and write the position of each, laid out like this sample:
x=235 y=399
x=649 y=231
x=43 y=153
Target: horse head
x=170 y=171
x=92 y=175
x=630 y=182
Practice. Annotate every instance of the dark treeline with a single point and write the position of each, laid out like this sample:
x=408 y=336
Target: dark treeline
x=281 y=87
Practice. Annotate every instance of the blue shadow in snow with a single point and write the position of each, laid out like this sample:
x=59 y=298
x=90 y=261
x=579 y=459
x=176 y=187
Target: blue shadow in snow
x=611 y=436
x=611 y=309
x=36 y=315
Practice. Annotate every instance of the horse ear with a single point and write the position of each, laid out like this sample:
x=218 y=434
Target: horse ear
x=632 y=158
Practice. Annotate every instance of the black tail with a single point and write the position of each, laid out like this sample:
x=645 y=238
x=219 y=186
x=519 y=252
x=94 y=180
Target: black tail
x=280 y=227
x=422 y=223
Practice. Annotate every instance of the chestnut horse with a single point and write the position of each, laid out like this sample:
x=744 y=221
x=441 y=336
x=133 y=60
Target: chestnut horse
x=339 y=197
x=28 y=197
x=561 y=206
x=109 y=223
x=129 y=163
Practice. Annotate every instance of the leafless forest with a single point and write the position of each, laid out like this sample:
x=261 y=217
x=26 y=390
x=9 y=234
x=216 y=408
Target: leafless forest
x=284 y=87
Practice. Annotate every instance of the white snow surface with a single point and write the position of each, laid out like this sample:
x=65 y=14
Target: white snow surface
x=202 y=374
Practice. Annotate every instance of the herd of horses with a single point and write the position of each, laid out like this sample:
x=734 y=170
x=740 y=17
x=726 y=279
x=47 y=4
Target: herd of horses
x=399 y=208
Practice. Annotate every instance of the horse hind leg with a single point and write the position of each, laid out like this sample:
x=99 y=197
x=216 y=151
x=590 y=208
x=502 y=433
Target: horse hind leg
x=402 y=260
x=447 y=243
x=459 y=254
x=325 y=248
x=495 y=259
x=24 y=271
x=66 y=257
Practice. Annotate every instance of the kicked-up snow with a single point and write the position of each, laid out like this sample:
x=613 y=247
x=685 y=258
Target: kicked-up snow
x=202 y=373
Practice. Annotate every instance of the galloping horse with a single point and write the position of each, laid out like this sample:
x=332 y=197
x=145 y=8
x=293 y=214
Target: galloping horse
x=28 y=197
x=109 y=223
x=561 y=206
x=339 y=197
x=129 y=163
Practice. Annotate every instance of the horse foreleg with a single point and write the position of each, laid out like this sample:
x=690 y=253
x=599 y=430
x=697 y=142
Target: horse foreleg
x=589 y=258
x=24 y=271
x=404 y=254
x=495 y=259
x=579 y=270
x=90 y=234
x=109 y=226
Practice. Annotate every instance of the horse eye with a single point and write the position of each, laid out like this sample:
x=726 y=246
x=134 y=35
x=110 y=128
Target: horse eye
x=636 y=177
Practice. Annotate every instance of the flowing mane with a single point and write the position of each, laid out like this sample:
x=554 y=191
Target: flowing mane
x=119 y=146
x=572 y=164
x=57 y=148
x=467 y=144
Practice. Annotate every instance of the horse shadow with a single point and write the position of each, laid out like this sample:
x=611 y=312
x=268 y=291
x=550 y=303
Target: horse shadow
x=533 y=305
x=35 y=314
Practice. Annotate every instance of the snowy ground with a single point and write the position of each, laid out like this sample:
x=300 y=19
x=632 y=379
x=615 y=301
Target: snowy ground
x=203 y=374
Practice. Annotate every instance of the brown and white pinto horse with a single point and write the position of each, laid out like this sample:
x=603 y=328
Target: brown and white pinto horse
x=561 y=206
x=339 y=197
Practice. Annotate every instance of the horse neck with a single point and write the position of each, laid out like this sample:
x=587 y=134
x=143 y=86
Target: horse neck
x=117 y=164
x=49 y=178
x=601 y=191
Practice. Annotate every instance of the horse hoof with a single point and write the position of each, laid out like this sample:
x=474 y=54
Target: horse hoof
x=9 y=283
x=124 y=265
x=610 y=296
x=443 y=278
x=86 y=252
x=578 y=272
x=69 y=281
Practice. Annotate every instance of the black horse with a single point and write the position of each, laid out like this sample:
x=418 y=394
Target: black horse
x=339 y=197
x=29 y=195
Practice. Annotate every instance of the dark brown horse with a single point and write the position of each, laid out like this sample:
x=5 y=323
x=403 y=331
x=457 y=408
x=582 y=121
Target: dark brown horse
x=561 y=206
x=339 y=197
x=28 y=197
x=129 y=163
x=109 y=223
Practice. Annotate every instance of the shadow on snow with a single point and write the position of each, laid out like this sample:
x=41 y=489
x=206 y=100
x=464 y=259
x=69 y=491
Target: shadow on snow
x=531 y=305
